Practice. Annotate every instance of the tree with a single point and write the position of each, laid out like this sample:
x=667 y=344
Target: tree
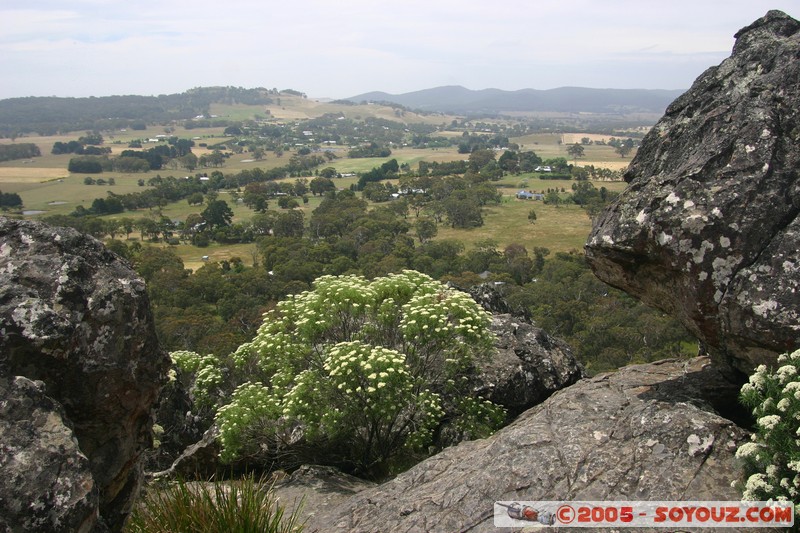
x=256 y=196
x=320 y=185
x=300 y=187
x=377 y=192
x=480 y=158
x=289 y=224
x=575 y=150
x=258 y=153
x=509 y=161
x=463 y=210
x=532 y=216
x=214 y=159
x=189 y=161
x=328 y=172
x=195 y=199
x=217 y=214
x=426 y=229
x=369 y=368
x=10 y=200
x=624 y=149
x=552 y=198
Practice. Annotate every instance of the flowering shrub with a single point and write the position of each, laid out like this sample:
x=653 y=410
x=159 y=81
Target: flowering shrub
x=370 y=367
x=772 y=459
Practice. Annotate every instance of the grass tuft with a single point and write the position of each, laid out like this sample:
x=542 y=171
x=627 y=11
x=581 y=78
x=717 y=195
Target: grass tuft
x=247 y=505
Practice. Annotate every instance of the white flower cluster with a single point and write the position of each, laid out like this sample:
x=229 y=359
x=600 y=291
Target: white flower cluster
x=773 y=456
x=185 y=360
x=756 y=485
x=768 y=422
x=249 y=403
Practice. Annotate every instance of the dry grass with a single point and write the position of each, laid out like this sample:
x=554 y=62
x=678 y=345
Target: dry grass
x=30 y=174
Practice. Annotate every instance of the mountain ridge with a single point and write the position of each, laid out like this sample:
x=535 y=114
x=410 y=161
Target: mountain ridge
x=458 y=99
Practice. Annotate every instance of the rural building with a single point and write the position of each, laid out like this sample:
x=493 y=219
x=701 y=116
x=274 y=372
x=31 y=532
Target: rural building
x=528 y=195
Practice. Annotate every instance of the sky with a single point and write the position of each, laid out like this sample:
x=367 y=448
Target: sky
x=343 y=48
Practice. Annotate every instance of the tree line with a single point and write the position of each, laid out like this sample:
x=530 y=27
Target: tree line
x=9 y=152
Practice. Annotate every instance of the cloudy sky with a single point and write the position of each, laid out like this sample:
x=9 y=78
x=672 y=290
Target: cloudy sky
x=341 y=48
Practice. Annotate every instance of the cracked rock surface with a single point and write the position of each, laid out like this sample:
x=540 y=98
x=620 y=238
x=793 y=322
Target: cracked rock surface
x=646 y=432
x=708 y=229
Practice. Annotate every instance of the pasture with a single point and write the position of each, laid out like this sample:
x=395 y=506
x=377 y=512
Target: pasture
x=46 y=186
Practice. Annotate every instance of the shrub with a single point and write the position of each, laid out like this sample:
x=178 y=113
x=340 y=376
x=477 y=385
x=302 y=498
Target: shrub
x=368 y=368
x=245 y=506
x=772 y=459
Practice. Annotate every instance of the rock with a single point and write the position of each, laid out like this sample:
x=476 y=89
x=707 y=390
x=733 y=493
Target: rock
x=77 y=318
x=176 y=416
x=199 y=460
x=492 y=297
x=708 y=229
x=43 y=467
x=317 y=490
x=646 y=432
x=529 y=365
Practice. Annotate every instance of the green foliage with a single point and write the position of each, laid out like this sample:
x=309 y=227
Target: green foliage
x=370 y=368
x=606 y=328
x=217 y=214
x=10 y=200
x=9 y=152
x=772 y=459
x=88 y=164
x=243 y=506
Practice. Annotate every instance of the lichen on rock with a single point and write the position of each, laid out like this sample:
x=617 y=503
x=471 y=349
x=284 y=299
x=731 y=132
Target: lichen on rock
x=708 y=228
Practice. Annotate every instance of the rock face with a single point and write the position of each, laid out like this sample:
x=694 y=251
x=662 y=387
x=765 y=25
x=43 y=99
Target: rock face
x=645 y=432
x=708 y=229
x=78 y=351
x=529 y=365
x=43 y=467
x=317 y=490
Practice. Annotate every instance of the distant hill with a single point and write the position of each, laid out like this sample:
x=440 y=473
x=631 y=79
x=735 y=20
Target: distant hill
x=50 y=115
x=457 y=99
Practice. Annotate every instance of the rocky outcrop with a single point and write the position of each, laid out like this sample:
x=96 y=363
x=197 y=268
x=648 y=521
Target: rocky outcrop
x=528 y=366
x=708 y=229
x=180 y=425
x=79 y=353
x=647 y=432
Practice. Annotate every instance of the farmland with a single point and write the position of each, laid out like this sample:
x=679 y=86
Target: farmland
x=48 y=188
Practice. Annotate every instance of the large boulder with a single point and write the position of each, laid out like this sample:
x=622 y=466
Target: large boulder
x=76 y=320
x=708 y=229
x=647 y=432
